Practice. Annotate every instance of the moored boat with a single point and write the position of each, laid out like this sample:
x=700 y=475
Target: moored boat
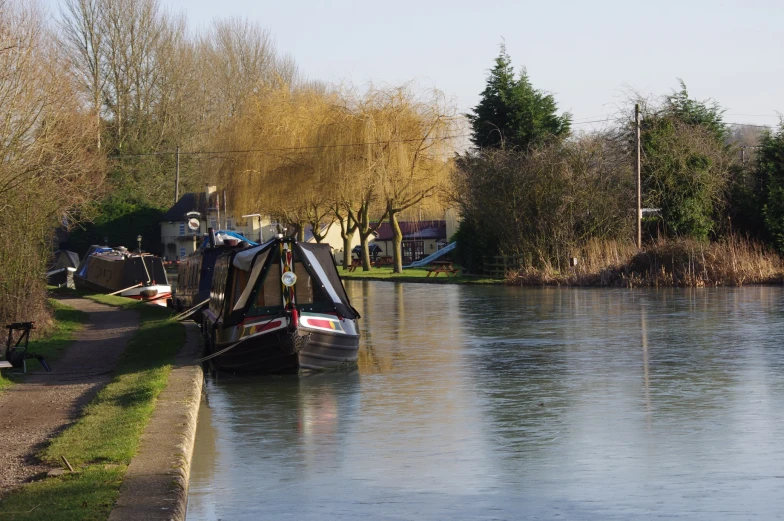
x=139 y=276
x=194 y=272
x=279 y=307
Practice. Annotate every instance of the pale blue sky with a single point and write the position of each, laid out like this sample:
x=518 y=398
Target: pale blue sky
x=588 y=54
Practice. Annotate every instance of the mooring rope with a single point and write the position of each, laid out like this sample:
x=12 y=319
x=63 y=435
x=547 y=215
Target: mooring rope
x=190 y=311
x=213 y=355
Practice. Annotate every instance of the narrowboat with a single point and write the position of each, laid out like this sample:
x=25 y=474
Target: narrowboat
x=194 y=272
x=139 y=276
x=277 y=308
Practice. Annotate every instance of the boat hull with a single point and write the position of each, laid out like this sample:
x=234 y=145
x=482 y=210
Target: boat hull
x=282 y=351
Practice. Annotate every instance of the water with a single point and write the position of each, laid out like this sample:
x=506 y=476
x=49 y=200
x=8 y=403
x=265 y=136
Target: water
x=512 y=403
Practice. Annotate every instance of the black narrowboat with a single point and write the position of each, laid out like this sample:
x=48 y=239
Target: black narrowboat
x=277 y=308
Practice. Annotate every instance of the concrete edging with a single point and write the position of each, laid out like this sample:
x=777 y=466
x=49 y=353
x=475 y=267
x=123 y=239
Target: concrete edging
x=156 y=484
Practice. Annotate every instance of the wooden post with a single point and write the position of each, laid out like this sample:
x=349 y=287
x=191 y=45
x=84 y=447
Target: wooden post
x=225 y=212
x=177 y=178
x=639 y=165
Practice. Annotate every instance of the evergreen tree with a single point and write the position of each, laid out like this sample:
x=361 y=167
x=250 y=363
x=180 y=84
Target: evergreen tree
x=686 y=164
x=512 y=114
x=770 y=170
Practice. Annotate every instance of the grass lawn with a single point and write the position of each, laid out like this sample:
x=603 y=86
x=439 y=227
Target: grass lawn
x=102 y=442
x=414 y=275
x=67 y=321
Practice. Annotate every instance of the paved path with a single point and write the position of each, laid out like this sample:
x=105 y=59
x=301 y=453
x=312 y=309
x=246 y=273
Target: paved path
x=35 y=410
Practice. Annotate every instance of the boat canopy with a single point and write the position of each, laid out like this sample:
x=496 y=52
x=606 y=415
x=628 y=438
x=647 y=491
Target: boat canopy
x=318 y=261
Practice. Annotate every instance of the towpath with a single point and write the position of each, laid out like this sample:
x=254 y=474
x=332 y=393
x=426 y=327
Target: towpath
x=42 y=405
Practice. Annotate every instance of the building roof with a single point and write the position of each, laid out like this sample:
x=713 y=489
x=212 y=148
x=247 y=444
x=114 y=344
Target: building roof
x=190 y=202
x=413 y=230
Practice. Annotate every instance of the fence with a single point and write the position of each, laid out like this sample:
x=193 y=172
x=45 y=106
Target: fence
x=498 y=265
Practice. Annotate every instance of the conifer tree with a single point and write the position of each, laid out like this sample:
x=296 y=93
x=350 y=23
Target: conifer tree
x=512 y=114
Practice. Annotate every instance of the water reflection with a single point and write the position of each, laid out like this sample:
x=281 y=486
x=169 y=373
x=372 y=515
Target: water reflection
x=503 y=403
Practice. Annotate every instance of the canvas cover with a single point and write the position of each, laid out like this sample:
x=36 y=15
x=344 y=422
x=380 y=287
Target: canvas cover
x=221 y=235
x=317 y=260
x=321 y=265
x=64 y=259
x=244 y=259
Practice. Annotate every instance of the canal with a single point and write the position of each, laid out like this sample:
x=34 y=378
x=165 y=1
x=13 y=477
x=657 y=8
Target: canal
x=488 y=402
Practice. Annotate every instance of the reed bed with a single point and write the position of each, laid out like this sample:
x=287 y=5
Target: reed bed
x=734 y=261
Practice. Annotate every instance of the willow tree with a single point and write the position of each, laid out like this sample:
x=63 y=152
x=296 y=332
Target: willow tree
x=280 y=176
x=411 y=141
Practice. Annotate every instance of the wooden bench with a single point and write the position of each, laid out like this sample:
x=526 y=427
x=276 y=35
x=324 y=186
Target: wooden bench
x=355 y=263
x=437 y=267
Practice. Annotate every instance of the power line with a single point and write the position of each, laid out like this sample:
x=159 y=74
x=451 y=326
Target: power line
x=281 y=149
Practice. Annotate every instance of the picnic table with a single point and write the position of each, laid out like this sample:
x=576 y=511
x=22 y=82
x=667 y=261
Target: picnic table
x=355 y=263
x=383 y=261
x=437 y=267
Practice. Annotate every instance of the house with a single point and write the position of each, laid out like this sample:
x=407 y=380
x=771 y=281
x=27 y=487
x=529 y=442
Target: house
x=420 y=239
x=186 y=223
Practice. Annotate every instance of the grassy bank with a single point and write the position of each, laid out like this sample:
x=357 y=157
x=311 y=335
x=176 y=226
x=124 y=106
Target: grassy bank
x=413 y=275
x=66 y=321
x=683 y=262
x=102 y=442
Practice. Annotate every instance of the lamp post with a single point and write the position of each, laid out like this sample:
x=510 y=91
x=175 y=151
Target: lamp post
x=139 y=240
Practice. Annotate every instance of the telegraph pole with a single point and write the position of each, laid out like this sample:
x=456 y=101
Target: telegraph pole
x=177 y=178
x=639 y=165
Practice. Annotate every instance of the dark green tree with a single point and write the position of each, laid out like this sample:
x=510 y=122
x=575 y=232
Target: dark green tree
x=512 y=114
x=686 y=164
x=770 y=171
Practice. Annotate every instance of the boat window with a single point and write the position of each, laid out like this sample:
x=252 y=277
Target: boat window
x=304 y=286
x=240 y=281
x=269 y=294
x=309 y=293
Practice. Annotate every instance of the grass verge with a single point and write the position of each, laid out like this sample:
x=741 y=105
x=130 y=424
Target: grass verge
x=413 y=275
x=67 y=321
x=102 y=442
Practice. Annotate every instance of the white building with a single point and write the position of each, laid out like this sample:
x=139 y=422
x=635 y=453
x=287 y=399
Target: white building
x=181 y=234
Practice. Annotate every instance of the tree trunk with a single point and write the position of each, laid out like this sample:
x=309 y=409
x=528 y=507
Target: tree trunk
x=397 y=242
x=348 y=238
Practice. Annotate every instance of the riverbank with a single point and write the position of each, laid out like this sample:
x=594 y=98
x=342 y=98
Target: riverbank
x=668 y=263
x=414 y=275
x=104 y=439
x=733 y=261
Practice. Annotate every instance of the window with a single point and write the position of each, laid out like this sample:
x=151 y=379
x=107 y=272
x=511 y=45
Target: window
x=182 y=253
x=413 y=251
x=182 y=229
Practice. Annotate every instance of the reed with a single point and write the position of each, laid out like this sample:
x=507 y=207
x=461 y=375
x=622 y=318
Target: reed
x=732 y=261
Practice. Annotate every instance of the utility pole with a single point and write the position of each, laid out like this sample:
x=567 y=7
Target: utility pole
x=639 y=165
x=225 y=212
x=177 y=178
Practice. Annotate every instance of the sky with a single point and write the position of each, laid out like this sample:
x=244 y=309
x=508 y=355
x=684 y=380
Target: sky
x=589 y=54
